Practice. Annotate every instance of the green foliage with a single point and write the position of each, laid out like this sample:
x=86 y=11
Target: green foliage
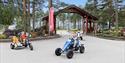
x=19 y=23
x=122 y=18
x=62 y=18
x=105 y=11
x=6 y=13
x=75 y=18
x=2 y=36
x=112 y=32
x=58 y=4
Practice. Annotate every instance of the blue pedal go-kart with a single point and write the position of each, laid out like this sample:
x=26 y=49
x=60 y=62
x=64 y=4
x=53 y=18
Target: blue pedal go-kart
x=70 y=47
x=21 y=45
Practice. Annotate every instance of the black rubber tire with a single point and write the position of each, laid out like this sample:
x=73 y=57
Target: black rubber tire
x=31 y=47
x=25 y=45
x=82 y=49
x=81 y=38
x=76 y=48
x=69 y=54
x=12 y=46
x=58 y=51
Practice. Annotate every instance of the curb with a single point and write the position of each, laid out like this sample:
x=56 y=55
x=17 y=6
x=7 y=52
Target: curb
x=33 y=39
x=110 y=38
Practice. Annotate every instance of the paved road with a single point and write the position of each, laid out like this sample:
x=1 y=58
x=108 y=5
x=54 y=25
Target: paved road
x=97 y=51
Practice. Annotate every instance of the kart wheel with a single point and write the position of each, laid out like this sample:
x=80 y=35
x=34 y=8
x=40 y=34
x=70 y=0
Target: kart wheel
x=76 y=48
x=58 y=51
x=31 y=47
x=81 y=38
x=12 y=46
x=69 y=54
x=82 y=49
x=25 y=45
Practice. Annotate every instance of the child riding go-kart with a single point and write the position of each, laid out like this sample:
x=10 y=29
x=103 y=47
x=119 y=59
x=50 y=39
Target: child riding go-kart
x=79 y=35
x=71 y=45
x=15 y=44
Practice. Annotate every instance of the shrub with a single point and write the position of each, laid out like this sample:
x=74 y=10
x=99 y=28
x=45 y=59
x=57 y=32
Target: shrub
x=2 y=36
x=33 y=34
x=122 y=31
x=115 y=33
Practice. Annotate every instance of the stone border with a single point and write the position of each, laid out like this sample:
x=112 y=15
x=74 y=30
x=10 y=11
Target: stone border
x=34 y=39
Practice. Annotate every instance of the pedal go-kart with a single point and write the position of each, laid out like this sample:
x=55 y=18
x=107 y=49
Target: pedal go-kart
x=69 y=48
x=21 y=45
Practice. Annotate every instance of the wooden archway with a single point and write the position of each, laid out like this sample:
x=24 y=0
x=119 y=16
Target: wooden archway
x=74 y=9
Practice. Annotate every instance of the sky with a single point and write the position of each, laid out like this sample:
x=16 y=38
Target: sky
x=76 y=2
x=124 y=2
x=80 y=2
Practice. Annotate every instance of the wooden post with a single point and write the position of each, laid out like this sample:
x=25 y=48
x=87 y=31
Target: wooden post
x=95 y=28
x=90 y=26
x=55 y=24
x=83 y=25
x=86 y=24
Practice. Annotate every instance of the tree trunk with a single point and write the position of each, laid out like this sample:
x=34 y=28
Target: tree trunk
x=109 y=25
x=63 y=24
x=50 y=3
x=24 y=14
x=74 y=24
x=79 y=24
x=28 y=21
x=18 y=8
x=19 y=15
x=116 y=15
x=58 y=25
x=33 y=15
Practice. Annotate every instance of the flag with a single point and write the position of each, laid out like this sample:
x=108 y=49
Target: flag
x=51 y=19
